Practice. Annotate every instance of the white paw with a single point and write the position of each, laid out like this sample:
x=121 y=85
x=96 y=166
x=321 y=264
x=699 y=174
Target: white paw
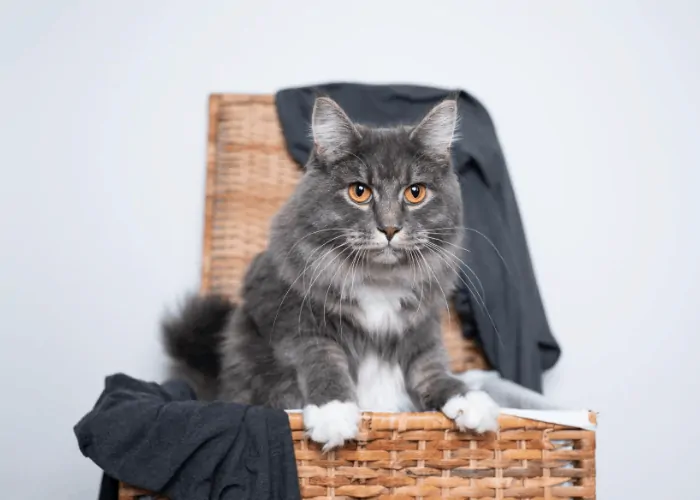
x=476 y=411
x=333 y=423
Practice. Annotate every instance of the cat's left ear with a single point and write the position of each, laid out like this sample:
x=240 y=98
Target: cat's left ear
x=333 y=132
x=436 y=132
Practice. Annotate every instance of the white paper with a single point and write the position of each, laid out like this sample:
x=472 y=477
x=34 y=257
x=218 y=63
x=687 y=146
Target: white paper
x=569 y=418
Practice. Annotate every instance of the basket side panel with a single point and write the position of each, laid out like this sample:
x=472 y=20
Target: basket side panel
x=411 y=456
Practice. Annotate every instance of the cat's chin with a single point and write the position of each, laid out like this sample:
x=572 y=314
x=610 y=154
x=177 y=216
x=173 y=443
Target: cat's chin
x=387 y=257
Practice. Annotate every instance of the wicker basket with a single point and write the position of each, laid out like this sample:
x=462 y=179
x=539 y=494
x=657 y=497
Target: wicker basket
x=397 y=456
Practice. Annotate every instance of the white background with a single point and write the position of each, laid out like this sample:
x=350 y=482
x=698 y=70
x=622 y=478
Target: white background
x=102 y=134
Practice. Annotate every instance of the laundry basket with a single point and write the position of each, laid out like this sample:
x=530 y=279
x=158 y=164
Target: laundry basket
x=396 y=456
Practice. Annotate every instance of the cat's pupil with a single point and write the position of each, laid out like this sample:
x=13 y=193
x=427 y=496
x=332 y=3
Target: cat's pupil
x=415 y=191
x=359 y=190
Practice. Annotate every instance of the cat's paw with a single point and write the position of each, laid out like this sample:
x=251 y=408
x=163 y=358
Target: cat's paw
x=476 y=411
x=333 y=423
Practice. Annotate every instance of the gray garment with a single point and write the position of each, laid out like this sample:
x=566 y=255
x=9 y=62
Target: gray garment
x=158 y=437
x=510 y=323
x=506 y=393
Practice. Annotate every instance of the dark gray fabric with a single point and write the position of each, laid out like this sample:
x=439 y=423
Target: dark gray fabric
x=160 y=439
x=512 y=327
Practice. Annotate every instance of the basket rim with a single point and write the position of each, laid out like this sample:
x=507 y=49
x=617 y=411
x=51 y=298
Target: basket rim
x=434 y=420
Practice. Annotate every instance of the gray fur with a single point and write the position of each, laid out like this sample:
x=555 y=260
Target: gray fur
x=296 y=337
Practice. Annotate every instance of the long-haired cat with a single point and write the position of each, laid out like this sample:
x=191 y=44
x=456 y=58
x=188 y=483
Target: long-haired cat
x=341 y=313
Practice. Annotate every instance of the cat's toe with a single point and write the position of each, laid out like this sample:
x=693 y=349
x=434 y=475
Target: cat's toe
x=332 y=424
x=476 y=411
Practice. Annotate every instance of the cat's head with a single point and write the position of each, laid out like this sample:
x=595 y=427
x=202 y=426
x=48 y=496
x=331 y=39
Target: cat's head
x=382 y=195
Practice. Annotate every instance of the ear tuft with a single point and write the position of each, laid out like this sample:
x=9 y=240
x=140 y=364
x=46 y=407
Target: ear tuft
x=333 y=132
x=437 y=130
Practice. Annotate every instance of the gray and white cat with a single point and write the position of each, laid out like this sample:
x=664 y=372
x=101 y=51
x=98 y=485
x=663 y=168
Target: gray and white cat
x=341 y=313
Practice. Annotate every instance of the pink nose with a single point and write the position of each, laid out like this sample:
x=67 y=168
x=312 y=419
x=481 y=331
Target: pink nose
x=389 y=231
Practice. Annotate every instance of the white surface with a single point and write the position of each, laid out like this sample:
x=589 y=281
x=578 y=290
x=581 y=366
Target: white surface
x=571 y=418
x=103 y=125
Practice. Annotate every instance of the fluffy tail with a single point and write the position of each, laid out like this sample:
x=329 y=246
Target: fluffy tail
x=192 y=337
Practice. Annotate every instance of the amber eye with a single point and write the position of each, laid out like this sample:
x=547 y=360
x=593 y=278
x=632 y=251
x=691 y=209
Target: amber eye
x=415 y=193
x=359 y=193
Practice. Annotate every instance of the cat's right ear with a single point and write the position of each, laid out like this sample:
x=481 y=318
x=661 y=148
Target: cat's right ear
x=436 y=132
x=333 y=132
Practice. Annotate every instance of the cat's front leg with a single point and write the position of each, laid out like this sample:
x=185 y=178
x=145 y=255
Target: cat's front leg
x=331 y=414
x=437 y=389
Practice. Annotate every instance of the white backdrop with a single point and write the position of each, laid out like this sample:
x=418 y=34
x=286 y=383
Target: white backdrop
x=102 y=133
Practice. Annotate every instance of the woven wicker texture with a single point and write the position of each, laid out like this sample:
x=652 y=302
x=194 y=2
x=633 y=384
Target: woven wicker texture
x=420 y=455
x=403 y=456
x=407 y=456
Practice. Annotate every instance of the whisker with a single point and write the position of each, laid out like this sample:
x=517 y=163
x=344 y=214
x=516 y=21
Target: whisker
x=420 y=300
x=435 y=277
x=446 y=242
x=472 y=289
x=423 y=268
x=330 y=284
x=413 y=268
x=315 y=277
x=320 y=260
x=355 y=264
x=342 y=290
x=480 y=302
x=480 y=234
x=302 y=273
x=311 y=234
x=450 y=254
x=422 y=283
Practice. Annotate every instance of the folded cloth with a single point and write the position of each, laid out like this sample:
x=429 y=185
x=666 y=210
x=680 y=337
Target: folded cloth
x=502 y=307
x=157 y=437
x=506 y=393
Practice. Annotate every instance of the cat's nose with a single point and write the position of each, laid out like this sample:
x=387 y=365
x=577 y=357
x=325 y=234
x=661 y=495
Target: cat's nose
x=389 y=231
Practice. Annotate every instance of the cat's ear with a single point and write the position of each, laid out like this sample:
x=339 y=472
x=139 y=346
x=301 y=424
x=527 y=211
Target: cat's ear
x=333 y=132
x=437 y=130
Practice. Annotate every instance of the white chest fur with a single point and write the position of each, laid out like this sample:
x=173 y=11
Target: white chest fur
x=381 y=386
x=379 y=308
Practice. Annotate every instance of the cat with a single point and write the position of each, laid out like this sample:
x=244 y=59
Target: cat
x=341 y=313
